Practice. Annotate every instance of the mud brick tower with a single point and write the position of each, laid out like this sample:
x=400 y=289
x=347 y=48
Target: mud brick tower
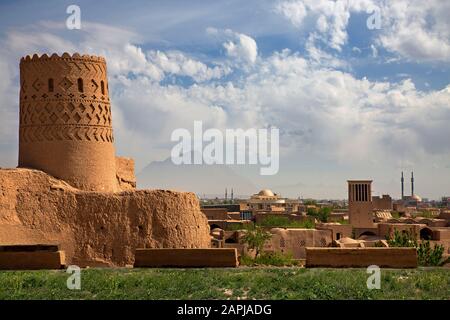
x=360 y=205
x=65 y=120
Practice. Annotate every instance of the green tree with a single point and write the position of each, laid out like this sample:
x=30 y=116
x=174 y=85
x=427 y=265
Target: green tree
x=321 y=214
x=311 y=212
x=426 y=256
x=309 y=202
x=324 y=214
x=255 y=237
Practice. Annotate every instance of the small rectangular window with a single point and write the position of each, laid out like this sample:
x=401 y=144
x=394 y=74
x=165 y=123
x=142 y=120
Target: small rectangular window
x=50 y=85
x=80 y=85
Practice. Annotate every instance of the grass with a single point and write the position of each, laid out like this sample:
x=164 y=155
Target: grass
x=269 y=259
x=285 y=222
x=242 y=283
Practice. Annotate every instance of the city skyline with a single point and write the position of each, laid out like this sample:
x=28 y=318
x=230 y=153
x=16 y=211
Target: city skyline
x=350 y=102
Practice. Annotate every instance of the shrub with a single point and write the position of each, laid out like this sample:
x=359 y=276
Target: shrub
x=395 y=214
x=269 y=259
x=285 y=222
x=309 y=202
x=426 y=256
x=255 y=237
x=321 y=214
x=402 y=239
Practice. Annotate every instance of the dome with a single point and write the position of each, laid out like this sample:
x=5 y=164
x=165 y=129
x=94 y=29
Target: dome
x=416 y=198
x=266 y=193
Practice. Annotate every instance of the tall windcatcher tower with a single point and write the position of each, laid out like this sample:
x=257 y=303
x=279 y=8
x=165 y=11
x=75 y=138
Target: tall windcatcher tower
x=360 y=208
x=65 y=120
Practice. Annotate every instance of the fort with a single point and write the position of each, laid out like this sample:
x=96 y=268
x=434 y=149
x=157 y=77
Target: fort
x=70 y=189
x=73 y=201
x=65 y=120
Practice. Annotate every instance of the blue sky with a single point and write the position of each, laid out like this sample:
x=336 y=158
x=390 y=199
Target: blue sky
x=351 y=102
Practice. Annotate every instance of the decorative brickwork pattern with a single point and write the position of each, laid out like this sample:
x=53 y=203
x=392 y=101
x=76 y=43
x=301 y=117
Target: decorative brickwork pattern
x=64 y=98
x=65 y=120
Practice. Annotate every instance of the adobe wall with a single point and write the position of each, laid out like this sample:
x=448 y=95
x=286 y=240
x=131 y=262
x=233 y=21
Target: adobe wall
x=65 y=120
x=295 y=241
x=96 y=228
x=186 y=258
x=388 y=229
x=215 y=213
x=125 y=173
x=338 y=230
x=382 y=203
x=361 y=257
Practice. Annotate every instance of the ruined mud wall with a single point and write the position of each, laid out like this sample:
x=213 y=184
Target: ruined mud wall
x=65 y=120
x=96 y=228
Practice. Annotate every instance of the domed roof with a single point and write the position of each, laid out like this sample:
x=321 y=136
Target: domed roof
x=266 y=193
x=416 y=197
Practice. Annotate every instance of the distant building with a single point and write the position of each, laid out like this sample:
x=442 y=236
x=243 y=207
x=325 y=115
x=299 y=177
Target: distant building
x=382 y=203
x=445 y=202
x=413 y=200
x=360 y=207
x=267 y=201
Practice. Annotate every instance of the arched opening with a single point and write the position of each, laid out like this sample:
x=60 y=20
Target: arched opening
x=102 y=87
x=367 y=233
x=50 y=85
x=426 y=234
x=80 y=85
x=214 y=226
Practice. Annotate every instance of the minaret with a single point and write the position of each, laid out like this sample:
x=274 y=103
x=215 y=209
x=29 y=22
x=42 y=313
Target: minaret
x=412 y=184
x=403 y=186
x=232 y=195
x=226 y=195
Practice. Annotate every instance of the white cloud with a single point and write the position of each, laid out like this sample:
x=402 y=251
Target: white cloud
x=417 y=30
x=374 y=51
x=324 y=114
x=330 y=17
x=237 y=45
x=414 y=29
x=295 y=11
x=176 y=63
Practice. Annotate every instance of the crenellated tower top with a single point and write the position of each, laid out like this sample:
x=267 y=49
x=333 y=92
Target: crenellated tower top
x=65 y=119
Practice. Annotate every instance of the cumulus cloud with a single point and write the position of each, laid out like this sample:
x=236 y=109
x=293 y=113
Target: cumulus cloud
x=331 y=17
x=415 y=29
x=418 y=30
x=323 y=113
x=177 y=63
x=237 y=45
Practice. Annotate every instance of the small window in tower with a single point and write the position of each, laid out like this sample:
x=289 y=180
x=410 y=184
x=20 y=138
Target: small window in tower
x=80 y=84
x=102 y=87
x=50 y=85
